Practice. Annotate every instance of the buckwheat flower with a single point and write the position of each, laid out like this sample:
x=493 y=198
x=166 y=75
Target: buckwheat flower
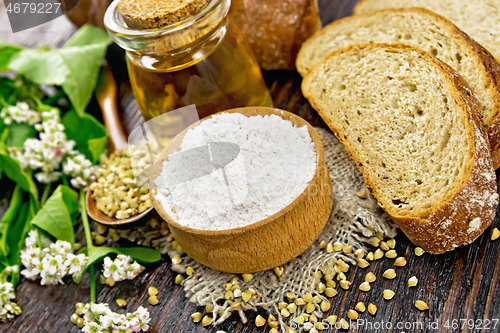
x=88 y=315
x=78 y=182
x=124 y=258
x=32 y=118
x=95 y=315
x=23 y=106
x=6 y=292
x=28 y=254
x=92 y=328
x=7 y=121
x=106 y=321
x=143 y=315
x=32 y=238
x=75 y=265
x=60 y=247
x=47 y=177
x=119 y=322
x=133 y=270
x=18 y=112
x=71 y=167
x=99 y=310
x=51 y=263
x=11 y=269
x=134 y=323
x=122 y=268
x=8 y=311
x=31 y=274
x=48 y=279
x=113 y=269
x=51 y=150
x=55 y=128
x=53 y=115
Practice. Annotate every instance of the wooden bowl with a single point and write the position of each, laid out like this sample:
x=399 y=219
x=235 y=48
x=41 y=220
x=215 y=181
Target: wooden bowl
x=267 y=243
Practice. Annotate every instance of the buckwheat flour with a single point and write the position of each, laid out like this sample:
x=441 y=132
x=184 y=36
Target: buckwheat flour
x=275 y=163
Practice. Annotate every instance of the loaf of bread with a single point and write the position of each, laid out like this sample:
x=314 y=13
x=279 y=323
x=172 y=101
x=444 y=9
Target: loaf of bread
x=410 y=123
x=275 y=29
x=478 y=18
x=424 y=29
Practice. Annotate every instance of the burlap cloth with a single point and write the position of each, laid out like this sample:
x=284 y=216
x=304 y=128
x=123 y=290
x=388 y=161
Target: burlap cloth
x=353 y=221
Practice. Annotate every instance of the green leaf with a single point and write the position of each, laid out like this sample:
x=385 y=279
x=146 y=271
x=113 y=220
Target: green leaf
x=84 y=50
x=74 y=67
x=97 y=147
x=21 y=232
x=16 y=233
x=89 y=134
x=55 y=216
x=6 y=87
x=18 y=133
x=143 y=255
x=87 y=35
x=69 y=197
x=41 y=66
x=6 y=53
x=16 y=224
x=11 y=168
x=8 y=218
x=83 y=64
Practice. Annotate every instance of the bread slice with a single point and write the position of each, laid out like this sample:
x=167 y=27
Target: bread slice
x=426 y=30
x=410 y=123
x=275 y=29
x=478 y=18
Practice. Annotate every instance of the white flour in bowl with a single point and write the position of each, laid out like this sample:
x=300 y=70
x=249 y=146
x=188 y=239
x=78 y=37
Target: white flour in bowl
x=275 y=163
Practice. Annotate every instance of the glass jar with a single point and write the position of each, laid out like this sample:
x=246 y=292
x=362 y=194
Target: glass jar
x=201 y=60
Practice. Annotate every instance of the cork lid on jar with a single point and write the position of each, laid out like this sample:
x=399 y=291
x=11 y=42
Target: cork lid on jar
x=153 y=14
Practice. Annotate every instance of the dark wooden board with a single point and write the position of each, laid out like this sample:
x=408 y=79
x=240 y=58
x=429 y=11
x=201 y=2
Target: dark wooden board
x=459 y=285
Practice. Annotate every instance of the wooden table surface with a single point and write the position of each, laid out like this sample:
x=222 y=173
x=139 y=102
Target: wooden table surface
x=458 y=286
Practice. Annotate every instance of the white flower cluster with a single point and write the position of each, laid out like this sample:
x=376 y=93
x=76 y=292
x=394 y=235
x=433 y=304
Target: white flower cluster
x=21 y=113
x=51 y=149
x=8 y=309
x=51 y=263
x=122 y=268
x=99 y=318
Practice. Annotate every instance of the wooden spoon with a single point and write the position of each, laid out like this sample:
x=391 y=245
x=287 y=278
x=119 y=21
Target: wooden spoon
x=106 y=93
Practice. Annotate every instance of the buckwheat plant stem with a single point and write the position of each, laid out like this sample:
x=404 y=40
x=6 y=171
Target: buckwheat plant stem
x=90 y=246
x=45 y=194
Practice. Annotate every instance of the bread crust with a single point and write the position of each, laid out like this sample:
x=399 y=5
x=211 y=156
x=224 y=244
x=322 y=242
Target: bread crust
x=275 y=29
x=491 y=68
x=356 y=10
x=464 y=215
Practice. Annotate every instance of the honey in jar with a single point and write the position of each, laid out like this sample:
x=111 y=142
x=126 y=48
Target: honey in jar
x=184 y=52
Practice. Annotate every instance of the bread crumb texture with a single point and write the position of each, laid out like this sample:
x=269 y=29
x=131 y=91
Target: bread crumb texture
x=388 y=116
